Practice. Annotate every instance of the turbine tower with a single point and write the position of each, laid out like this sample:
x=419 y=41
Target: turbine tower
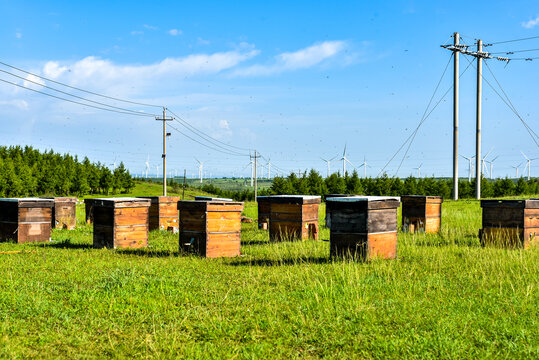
x=516 y=170
x=491 y=162
x=344 y=161
x=419 y=171
x=147 y=165
x=365 y=165
x=269 y=168
x=251 y=162
x=470 y=166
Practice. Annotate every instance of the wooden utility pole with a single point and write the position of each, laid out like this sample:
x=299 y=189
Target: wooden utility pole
x=256 y=183
x=164 y=156
x=183 y=192
x=456 y=117
x=478 y=167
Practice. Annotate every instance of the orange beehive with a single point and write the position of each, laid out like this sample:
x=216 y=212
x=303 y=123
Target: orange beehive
x=64 y=213
x=210 y=228
x=293 y=217
x=26 y=219
x=363 y=227
x=510 y=223
x=121 y=222
x=164 y=213
x=421 y=213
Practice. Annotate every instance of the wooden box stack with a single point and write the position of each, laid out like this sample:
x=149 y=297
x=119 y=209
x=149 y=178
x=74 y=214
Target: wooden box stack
x=421 y=213
x=89 y=210
x=64 y=213
x=510 y=223
x=364 y=227
x=210 y=228
x=164 y=213
x=263 y=212
x=328 y=211
x=26 y=219
x=121 y=222
x=293 y=217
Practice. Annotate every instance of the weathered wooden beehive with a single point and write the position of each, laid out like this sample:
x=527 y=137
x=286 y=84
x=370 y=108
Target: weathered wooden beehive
x=121 y=222
x=363 y=227
x=263 y=212
x=421 y=213
x=293 y=217
x=210 y=228
x=328 y=211
x=89 y=210
x=164 y=213
x=510 y=223
x=64 y=213
x=25 y=219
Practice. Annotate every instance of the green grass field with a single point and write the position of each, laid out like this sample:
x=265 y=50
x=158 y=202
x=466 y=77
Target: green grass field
x=444 y=297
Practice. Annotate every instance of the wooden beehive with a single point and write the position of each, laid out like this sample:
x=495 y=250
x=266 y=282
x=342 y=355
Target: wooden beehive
x=293 y=217
x=364 y=227
x=210 y=228
x=64 y=213
x=263 y=212
x=25 y=219
x=89 y=210
x=121 y=222
x=510 y=223
x=421 y=213
x=164 y=213
x=328 y=211
x=209 y=198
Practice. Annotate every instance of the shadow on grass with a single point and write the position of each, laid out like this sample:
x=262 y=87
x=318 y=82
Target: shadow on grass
x=282 y=262
x=68 y=244
x=256 y=242
x=148 y=253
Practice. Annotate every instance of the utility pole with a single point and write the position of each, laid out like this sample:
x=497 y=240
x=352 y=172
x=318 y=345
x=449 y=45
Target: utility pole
x=164 y=156
x=456 y=116
x=478 y=165
x=256 y=183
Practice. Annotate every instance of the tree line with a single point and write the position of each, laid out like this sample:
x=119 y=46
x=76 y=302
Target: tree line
x=312 y=183
x=30 y=172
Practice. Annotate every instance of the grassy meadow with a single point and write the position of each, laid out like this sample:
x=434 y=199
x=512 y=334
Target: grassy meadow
x=444 y=297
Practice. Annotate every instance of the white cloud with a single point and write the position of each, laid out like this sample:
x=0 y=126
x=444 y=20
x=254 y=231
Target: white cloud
x=137 y=32
x=20 y=104
x=175 y=32
x=150 y=27
x=18 y=35
x=223 y=124
x=53 y=70
x=201 y=41
x=31 y=81
x=531 y=23
x=301 y=59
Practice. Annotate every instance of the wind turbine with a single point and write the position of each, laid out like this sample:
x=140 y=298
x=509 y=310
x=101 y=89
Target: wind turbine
x=200 y=169
x=157 y=171
x=269 y=168
x=491 y=162
x=114 y=164
x=470 y=166
x=528 y=164
x=419 y=170
x=328 y=163
x=262 y=171
x=251 y=162
x=516 y=169
x=483 y=165
x=344 y=161
x=364 y=166
x=147 y=165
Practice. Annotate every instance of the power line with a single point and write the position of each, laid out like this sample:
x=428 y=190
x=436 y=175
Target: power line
x=76 y=102
x=200 y=133
x=209 y=147
x=75 y=96
x=513 y=52
x=508 y=41
x=79 y=89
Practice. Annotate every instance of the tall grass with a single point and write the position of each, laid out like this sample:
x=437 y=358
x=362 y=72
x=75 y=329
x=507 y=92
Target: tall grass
x=444 y=297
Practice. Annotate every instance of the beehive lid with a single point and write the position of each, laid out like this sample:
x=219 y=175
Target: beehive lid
x=327 y=196
x=31 y=202
x=209 y=198
x=199 y=204
x=295 y=199
x=121 y=202
x=518 y=203
x=62 y=199
x=161 y=199
x=357 y=198
x=262 y=198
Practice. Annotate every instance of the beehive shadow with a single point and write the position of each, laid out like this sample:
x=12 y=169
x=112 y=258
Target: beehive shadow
x=282 y=262
x=149 y=253
x=68 y=244
x=255 y=242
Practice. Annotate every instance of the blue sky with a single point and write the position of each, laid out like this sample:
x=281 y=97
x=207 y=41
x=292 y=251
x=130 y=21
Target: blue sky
x=294 y=80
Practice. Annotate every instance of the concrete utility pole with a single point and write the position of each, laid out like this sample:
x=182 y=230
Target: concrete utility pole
x=165 y=134
x=456 y=38
x=478 y=167
x=256 y=183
